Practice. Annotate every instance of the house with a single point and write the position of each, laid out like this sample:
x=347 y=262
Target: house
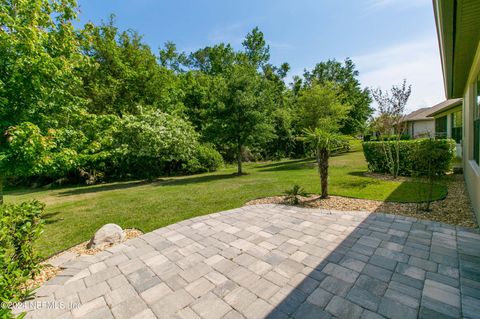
x=443 y=120
x=458 y=27
x=418 y=124
x=448 y=121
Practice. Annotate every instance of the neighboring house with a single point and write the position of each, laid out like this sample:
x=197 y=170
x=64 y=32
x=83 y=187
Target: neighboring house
x=418 y=124
x=449 y=121
x=458 y=26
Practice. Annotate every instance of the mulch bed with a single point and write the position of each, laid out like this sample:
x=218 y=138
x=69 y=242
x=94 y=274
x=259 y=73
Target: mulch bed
x=455 y=209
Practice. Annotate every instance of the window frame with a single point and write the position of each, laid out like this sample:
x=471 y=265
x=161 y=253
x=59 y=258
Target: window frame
x=476 y=122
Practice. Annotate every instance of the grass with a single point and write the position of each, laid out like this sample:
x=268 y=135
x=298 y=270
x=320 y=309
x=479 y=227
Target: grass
x=73 y=214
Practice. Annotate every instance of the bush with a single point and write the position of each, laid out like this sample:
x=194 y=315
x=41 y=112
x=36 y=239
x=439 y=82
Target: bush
x=342 y=144
x=411 y=153
x=207 y=159
x=293 y=194
x=403 y=137
x=152 y=145
x=20 y=226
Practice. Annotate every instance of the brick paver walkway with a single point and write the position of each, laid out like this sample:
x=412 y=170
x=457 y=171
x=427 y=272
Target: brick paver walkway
x=277 y=262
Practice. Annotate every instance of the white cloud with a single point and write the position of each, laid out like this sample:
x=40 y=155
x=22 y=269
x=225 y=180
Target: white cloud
x=417 y=61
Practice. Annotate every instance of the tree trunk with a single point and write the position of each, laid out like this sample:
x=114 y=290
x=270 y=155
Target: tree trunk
x=239 y=160
x=322 y=160
x=1 y=189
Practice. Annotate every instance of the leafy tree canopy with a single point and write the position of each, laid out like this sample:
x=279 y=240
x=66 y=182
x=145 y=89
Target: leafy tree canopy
x=345 y=76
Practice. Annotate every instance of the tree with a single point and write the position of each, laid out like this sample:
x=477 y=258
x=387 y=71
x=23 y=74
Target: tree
x=321 y=112
x=124 y=76
x=242 y=119
x=346 y=77
x=323 y=142
x=215 y=60
x=257 y=51
x=391 y=109
x=170 y=58
x=40 y=54
x=24 y=151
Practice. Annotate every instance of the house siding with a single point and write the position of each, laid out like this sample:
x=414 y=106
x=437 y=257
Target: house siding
x=470 y=167
x=421 y=128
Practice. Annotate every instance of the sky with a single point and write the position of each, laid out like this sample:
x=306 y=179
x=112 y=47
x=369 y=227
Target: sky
x=388 y=40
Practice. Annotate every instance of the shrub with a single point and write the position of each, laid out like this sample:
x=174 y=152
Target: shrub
x=293 y=194
x=20 y=226
x=206 y=159
x=153 y=144
x=403 y=137
x=342 y=144
x=411 y=154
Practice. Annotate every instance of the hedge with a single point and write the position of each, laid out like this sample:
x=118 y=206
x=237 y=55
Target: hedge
x=20 y=227
x=411 y=154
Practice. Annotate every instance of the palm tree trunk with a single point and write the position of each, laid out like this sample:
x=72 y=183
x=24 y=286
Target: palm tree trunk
x=322 y=160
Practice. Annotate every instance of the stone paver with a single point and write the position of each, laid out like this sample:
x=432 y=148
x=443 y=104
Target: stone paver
x=273 y=261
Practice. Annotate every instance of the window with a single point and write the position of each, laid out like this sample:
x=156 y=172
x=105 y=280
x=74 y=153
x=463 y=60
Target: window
x=476 y=124
x=441 y=127
x=457 y=126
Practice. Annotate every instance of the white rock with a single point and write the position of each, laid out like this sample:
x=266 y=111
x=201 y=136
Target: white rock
x=108 y=234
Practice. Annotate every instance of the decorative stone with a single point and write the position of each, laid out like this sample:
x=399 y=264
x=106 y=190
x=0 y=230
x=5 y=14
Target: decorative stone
x=108 y=234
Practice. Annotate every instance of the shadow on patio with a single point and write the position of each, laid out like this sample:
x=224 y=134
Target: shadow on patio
x=388 y=266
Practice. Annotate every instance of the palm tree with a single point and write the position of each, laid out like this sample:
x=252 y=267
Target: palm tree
x=323 y=142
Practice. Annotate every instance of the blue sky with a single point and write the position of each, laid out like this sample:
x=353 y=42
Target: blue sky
x=387 y=39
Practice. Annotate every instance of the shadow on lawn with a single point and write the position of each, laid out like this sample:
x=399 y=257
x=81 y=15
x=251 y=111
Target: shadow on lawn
x=49 y=218
x=172 y=181
x=288 y=165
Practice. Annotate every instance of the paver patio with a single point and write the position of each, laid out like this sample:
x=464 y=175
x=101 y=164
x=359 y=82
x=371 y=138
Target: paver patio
x=273 y=261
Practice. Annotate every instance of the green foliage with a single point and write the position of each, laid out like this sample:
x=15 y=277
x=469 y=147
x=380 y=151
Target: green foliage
x=124 y=76
x=20 y=227
x=242 y=119
x=24 y=151
x=346 y=77
x=321 y=113
x=153 y=144
x=215 y=60
x=40 y=54
x=206 y=159
x=79 y=104
x=320 y=106
x=256 y=49
x=384 y=137
x=293 y=194
x=415 y=156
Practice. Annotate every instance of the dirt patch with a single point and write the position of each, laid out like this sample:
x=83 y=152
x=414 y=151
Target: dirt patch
x=47 y=271
x=455 y=209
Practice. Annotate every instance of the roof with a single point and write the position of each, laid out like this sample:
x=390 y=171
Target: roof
x=426 y=113
x=458 y=28
x=418 y=115
x=444 y=106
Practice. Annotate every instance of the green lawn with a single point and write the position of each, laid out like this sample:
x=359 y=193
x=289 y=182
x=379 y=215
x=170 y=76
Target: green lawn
x=74 y=213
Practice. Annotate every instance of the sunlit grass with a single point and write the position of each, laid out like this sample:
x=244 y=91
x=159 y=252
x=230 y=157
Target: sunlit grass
x=74 y=213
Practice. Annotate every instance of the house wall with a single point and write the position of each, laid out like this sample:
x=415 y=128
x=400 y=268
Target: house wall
x=470 y=167
x=448 y=114
x=421 y=128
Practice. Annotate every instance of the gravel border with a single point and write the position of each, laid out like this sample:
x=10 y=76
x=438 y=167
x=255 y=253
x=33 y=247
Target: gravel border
x=454 y=209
